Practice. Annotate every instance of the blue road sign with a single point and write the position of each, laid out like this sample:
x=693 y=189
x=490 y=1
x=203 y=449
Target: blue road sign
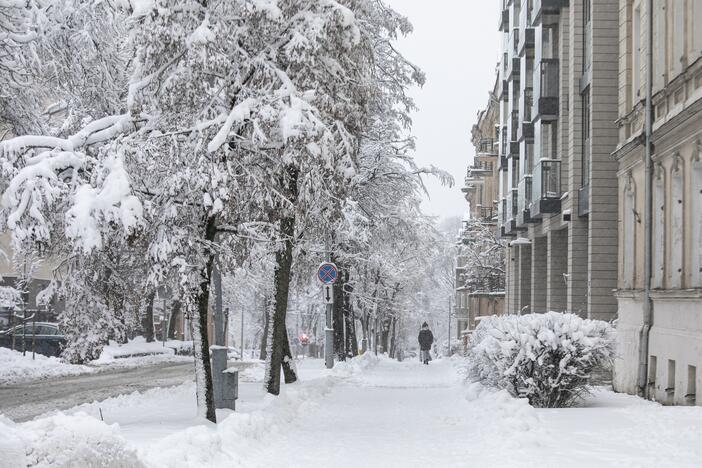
x=327 y=273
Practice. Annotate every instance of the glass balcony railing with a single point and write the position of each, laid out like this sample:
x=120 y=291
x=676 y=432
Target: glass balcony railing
x=547 y=180
x=542 y=7
x=546 y=89
x=546 y=188
x=524 y=193
x=549 y=78
x=514 y=126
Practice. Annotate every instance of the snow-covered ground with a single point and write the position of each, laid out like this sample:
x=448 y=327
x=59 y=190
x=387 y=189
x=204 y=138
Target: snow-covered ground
x=16 y=368
x=370 y=412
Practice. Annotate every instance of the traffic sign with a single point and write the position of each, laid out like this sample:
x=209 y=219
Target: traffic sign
x=328 y=294
x=327 y=273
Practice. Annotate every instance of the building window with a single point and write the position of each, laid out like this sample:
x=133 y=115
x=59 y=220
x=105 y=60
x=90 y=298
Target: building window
x=696 y=209
x=658 y=227
x=659 y=45
x=670 y=389
x=678 y=35
x=691 y=395
x=636 y=57
x=677 y=226
x=587 y=35
x=629 y=240
x=585 y=178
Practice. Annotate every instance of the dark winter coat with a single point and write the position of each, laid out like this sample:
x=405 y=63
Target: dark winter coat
x=426 y=338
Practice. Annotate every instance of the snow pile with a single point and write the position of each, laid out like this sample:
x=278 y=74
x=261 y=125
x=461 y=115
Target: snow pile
x=507 y=421
x=15 y=368
x=65 y=441
x=250 y=371
x=138 y=347
x=357 y=365
x=240 y=435
x=546 y=358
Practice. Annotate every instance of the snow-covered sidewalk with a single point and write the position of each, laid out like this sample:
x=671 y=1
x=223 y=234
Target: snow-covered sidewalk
x=370 y=412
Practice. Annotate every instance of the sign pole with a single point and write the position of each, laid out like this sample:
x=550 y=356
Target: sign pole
x=329 y=325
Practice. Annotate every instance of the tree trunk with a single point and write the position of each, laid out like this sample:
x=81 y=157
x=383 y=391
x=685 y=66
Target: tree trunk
x=393 y=341
x=351 y=341
x=338 y=314
x=173 y=320
x=281 y=357
x=147 y=321
x=263 y=355
x=201 y=345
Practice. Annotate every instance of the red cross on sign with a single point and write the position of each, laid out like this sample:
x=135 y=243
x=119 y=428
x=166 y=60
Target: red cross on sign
x=327 y=273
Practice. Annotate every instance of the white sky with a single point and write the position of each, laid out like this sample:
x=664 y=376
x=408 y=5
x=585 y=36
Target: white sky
x=455 y=42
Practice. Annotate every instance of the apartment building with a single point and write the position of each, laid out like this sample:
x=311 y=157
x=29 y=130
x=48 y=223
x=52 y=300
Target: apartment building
x=557 y=181
x=481 y=191
x=660 y=276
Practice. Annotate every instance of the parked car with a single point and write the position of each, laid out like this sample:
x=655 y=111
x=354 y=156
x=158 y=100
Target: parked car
x=46 y=336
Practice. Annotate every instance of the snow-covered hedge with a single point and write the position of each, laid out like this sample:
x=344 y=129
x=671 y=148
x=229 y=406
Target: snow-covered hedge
x=546 y=358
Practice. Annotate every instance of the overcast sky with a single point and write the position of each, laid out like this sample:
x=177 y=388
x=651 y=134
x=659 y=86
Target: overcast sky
x=455 y=42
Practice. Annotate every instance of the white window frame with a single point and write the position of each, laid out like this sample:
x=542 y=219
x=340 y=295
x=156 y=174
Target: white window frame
x=677 y=223
x=696 y=216
x=629 y=233
x=659 y=224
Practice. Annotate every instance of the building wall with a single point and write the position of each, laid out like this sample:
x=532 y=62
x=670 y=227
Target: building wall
x=574 y=216
x=675 y=340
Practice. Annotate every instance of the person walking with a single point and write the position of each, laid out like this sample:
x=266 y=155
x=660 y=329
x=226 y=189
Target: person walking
x=426 y=339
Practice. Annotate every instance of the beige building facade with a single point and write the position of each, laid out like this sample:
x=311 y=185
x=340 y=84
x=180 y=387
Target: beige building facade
x=481 y=191
x=558 y=183
x=660 y=353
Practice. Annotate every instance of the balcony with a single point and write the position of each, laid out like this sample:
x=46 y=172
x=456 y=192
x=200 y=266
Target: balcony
x=546 y=90
x=503 y=25
x=524 y=191
x=513 y=69
x=546 y=188
x=487 y=213
x=487 y=146
x=546 y=7
x=503 y=91
x=526 y=127
x=510 y=203
x=526 y=41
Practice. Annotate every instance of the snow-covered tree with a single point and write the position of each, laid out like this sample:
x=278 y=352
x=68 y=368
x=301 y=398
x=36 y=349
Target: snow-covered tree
x=483 y=257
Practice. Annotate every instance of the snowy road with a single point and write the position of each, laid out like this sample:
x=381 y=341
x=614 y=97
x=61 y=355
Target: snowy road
x=21 y=402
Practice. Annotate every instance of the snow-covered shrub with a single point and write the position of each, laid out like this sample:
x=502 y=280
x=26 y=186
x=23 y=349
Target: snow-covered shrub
x=9 y=297
x=546 y=358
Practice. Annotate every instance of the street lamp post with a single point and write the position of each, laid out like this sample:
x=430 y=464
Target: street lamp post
x=449 y=326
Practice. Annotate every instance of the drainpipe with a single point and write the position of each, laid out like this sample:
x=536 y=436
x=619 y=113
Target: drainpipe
x=648 y=207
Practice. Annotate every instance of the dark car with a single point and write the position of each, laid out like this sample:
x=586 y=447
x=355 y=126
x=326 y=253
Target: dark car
x=45 y=336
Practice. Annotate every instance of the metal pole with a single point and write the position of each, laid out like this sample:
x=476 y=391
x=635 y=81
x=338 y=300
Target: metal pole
x=24 y=328
x=164 y=324
x=218 y=314
x=449 y=327
x=34 y=334
x=329 y=327
x=648 y=208
x=12 y=327
x=242 y=334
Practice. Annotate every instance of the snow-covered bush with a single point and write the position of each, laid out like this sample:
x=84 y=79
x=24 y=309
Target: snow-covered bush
x=546 y=358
